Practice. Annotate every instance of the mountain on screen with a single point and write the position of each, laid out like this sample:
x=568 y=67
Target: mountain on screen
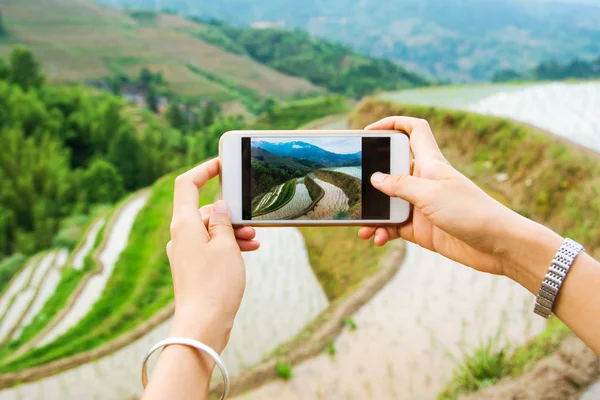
x=307 y=151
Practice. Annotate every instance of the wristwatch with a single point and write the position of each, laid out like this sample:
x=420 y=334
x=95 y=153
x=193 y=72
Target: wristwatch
x=564 y=258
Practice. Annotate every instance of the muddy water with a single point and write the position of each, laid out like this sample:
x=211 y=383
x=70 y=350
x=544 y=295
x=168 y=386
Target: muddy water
x=46 y=289
x=24 y=297
x=116 y=243
x=282 y=295
x=413 y=332
x=87 y=245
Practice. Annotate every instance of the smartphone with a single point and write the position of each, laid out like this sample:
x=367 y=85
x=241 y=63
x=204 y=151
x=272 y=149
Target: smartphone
x=295 y=178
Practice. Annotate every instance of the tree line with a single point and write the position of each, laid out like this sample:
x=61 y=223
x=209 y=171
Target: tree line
x=67 y=148
x=553 y=71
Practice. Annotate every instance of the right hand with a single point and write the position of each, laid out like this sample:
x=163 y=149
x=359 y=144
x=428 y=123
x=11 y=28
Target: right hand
x=451 y=215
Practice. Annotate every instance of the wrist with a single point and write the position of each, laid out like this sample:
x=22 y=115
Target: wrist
x=200 y=323
x=526 y=250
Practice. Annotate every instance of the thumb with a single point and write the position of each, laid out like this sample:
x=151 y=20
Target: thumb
x=219 y=223
x=417 y=191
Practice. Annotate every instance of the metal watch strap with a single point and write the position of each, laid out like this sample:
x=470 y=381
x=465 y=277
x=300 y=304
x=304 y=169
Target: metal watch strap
x=564 y=258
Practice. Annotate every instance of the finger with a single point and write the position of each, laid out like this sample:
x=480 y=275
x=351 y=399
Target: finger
x=366 y=232
x=381 y=236
x=205 y=213
x=406 y=232
x=422 y=141
x=418 y=191
x=185 y=199
x=219 y=225
x=244 y=233
x=241 y=232
x=248 y=245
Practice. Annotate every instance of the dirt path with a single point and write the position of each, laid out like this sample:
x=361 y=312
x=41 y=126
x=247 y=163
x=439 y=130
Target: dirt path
x=410 y=334
x=332 y=202
x=279 y=280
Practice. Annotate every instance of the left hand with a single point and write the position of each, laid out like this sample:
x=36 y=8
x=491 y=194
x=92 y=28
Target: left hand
x=209 y=275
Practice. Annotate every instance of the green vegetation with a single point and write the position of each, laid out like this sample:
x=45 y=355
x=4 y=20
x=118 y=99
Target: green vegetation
x=327 y=64
x=350 y=323
x=553 y=71
x=140 y=284
x=9 y=267
x=315 y=191
x=483 y=146
x=96 y=148
x=340 y=261
x=297 y=113
x=331 y=350
x=488 y=363
x=351 y=186
x=284 y=370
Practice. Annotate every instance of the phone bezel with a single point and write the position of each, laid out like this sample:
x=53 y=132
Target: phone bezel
x=230 y=178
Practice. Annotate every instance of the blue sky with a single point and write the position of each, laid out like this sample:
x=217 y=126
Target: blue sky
x=339 y=145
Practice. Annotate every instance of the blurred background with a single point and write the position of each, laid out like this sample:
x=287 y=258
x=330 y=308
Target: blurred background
x=103 y=103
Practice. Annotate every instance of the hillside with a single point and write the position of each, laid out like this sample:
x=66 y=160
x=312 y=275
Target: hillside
x=78 y=40
x=553 y=71
x=466 y=40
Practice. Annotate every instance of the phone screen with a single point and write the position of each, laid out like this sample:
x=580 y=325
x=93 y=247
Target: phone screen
x=313 y=178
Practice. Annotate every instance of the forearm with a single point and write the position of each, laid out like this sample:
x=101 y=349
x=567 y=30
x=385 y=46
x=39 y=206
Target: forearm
x=578 y=304
x=182 y=372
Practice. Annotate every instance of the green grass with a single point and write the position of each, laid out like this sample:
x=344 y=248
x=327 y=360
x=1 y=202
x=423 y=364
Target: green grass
x=294 y=114
x=489 y=363
x=284 y=370
x=139 y=286
x=339 y=259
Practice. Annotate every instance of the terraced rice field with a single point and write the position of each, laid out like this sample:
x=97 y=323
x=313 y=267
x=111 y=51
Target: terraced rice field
x=24 y=297
x=117 y=241
x=279 y=279
x=45 y=289
x=87 y=245
x=300 y=201
x=569 y=110
x=330 y=205
x=352 y=171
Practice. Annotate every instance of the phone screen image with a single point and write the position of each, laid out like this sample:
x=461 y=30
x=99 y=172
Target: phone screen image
x=318 y=178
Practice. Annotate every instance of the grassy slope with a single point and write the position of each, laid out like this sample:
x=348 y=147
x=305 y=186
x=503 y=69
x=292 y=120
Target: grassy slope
x=297 y=113
x=78 y=40
x=563 y=195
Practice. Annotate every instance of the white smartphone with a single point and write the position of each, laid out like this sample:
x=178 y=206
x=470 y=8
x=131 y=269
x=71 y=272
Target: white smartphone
x=294 y=178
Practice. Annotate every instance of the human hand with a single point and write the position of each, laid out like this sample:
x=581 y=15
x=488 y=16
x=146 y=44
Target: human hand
x=208 y=271
x=451 y=215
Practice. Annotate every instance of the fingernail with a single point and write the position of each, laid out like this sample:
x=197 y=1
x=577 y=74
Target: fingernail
x=221 y=207
x=378 y=177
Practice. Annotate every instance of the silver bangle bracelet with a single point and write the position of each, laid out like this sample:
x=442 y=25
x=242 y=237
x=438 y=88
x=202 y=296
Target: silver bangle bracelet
x=190 y=343
x=564 y=258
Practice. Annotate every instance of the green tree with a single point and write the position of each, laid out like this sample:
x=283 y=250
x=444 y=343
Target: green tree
x=145 y=77
x=102 y=183
x=175 y=116
x=125 y=154
x=24 y=70
x=152 y=99
x=209 y=113
x=3 y=70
